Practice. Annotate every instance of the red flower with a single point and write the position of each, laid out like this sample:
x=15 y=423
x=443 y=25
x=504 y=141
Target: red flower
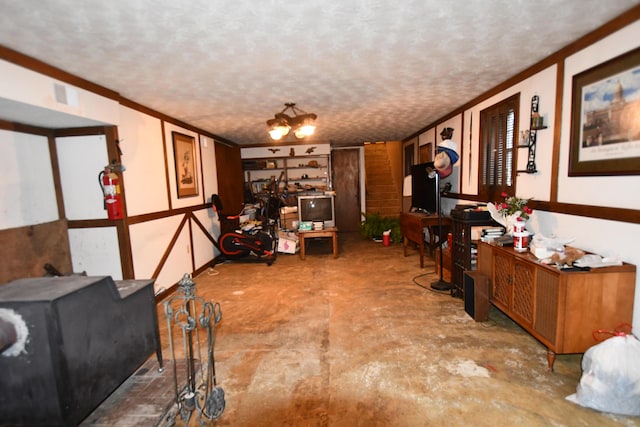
x=513 y=204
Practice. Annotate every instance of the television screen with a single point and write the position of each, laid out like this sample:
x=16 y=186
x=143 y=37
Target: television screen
x=423 y=189
x=317 y=208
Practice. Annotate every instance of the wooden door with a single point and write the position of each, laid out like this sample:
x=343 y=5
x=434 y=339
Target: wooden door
x=230 y=178
x=345 y=168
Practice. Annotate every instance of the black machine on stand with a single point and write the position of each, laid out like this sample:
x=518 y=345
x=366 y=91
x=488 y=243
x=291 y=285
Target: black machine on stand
x=446 y=156
x=441 y=284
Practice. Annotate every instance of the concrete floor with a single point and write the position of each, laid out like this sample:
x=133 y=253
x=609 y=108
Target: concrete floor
x=362 y=341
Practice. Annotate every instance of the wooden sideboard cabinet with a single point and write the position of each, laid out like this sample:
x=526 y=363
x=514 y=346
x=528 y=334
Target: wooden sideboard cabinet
x=559 y=308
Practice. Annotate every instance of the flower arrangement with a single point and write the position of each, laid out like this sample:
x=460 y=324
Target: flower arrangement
x=512 y=205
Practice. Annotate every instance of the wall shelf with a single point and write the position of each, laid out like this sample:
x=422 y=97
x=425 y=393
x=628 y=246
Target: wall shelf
x=535 y=124
x=305 y=172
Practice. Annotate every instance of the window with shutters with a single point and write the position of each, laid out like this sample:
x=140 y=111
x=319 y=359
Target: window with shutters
x=498 y=131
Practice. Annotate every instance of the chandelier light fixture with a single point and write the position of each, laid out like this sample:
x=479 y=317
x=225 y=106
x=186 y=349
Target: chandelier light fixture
x=301 y=123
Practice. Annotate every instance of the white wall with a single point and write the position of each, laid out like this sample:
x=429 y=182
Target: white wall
x=209 y=170
x=143 y=156
x=34 y=89
x=27 y=192
x=81 y=159
x=149 y=241
x=203 y=251
x=95 y=251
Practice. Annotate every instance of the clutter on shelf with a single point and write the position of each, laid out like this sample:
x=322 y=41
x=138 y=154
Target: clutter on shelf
x=487 y=233
x=596 y=261
x=567 y=257
x=543 y=247
x=554 y=250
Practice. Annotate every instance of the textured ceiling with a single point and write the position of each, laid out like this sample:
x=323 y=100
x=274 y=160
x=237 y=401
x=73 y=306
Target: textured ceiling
x=372 y=70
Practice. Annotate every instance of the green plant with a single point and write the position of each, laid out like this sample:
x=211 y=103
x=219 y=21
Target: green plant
x=375 y=224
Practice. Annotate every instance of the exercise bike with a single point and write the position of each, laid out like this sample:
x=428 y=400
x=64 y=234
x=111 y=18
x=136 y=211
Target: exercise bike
x=251 y=243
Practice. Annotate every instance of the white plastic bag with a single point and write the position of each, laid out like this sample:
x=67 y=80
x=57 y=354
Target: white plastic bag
x=611 y=377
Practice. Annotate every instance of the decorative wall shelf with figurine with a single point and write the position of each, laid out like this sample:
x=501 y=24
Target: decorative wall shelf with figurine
x=529 y=138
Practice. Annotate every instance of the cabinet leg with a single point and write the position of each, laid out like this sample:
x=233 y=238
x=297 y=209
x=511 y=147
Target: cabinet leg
x=551 y=358
x=405 y=242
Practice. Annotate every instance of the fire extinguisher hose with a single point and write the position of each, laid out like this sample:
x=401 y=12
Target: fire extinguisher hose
x=104 y=202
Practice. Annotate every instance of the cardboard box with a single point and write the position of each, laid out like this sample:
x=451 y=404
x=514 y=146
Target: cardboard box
x=288 y=215
x=288 y=243
x=287 y=220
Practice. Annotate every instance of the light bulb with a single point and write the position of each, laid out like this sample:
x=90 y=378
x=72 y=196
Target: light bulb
x=284 y=129
x=275 y=133
x=307 y=130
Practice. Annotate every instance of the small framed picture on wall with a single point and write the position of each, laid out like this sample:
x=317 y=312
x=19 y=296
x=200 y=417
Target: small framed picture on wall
x=184 y=154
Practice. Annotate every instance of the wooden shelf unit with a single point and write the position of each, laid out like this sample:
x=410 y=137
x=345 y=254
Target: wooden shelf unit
x=305 y=171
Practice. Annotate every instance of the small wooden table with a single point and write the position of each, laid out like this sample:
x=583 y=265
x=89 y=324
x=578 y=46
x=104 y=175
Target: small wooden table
x=411 y=226
x=311 y=234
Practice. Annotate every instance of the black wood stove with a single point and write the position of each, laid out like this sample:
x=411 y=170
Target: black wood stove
x=78 y=339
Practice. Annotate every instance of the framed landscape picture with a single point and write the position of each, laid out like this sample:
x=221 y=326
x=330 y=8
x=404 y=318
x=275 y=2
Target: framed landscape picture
x=184 y=154
x=605 y=119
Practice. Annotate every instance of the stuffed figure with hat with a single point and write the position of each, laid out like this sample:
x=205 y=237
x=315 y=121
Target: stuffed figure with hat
x=446 y=154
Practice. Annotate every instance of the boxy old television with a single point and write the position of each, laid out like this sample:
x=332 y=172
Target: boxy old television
x=320 y=207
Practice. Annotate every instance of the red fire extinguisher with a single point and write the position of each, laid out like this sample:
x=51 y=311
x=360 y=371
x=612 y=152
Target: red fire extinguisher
x=112 y=197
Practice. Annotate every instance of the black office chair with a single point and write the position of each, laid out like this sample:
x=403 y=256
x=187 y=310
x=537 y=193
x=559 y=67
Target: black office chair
x=228 y=223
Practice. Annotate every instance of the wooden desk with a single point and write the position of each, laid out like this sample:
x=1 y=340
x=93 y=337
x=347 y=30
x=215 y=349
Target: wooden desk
x=311 y=234
x=411 y=226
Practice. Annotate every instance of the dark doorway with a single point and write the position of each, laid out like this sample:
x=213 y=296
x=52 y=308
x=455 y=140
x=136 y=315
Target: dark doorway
x=345 y=165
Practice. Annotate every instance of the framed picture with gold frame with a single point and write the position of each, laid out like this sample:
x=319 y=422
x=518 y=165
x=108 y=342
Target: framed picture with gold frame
x=605 y=130
x=184 y=155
